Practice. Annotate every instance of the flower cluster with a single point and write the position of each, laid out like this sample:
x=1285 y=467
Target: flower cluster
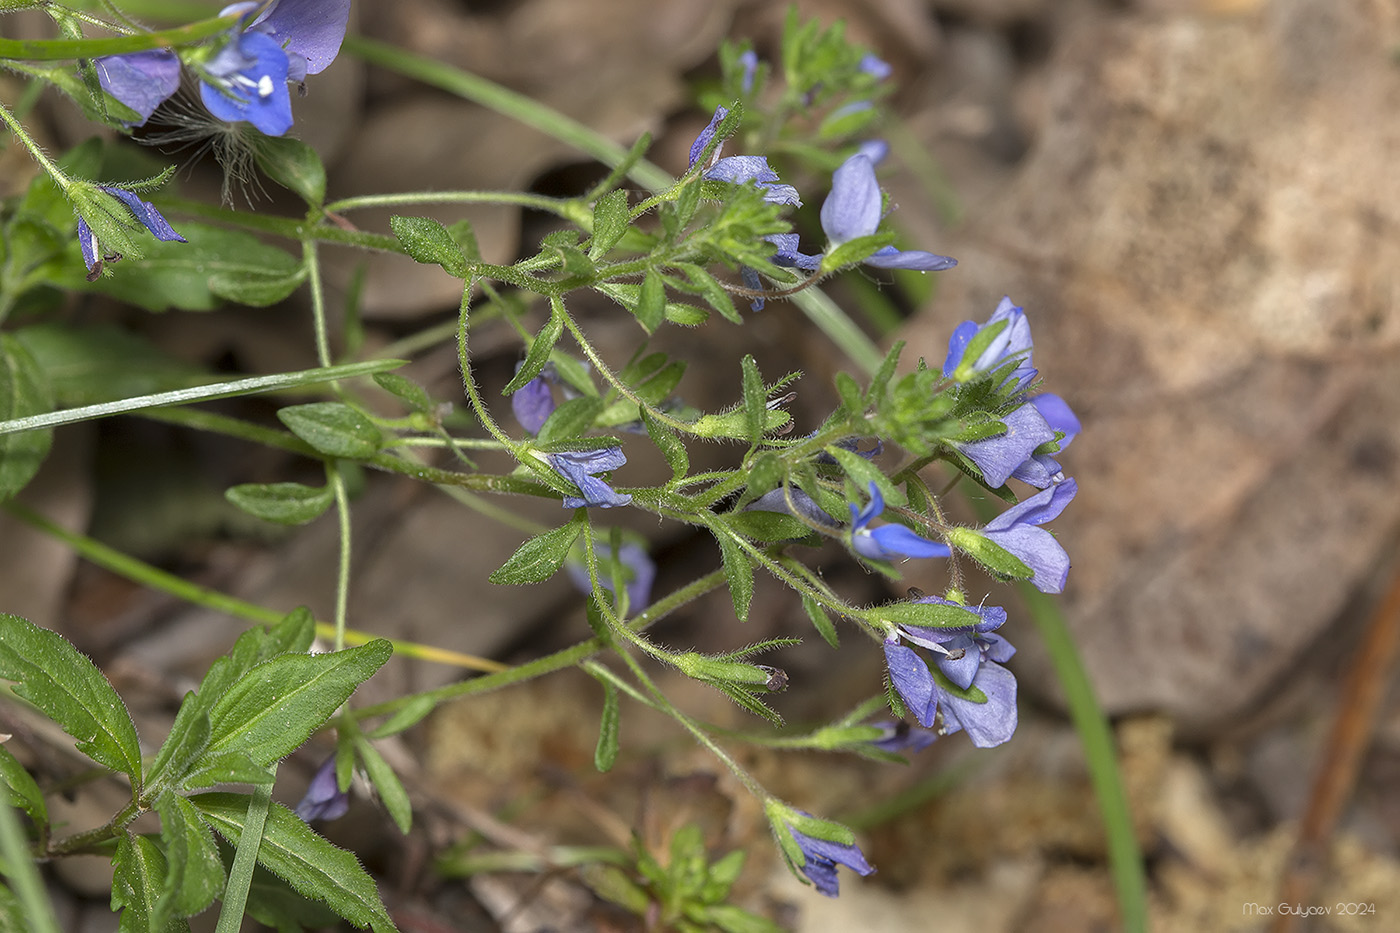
x=247 y=76
x=145 y=213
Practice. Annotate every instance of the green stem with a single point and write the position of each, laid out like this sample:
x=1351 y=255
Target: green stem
x=342 y=581
x=53 y=50
x=567 y=209
x=249 y=386
x=245 y=859
x=312 y=263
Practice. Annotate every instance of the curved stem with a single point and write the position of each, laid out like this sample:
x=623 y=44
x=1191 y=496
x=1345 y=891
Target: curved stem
x=53 y=50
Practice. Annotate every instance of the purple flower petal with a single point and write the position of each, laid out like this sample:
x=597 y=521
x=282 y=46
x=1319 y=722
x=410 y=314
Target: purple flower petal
x=875 y=67
x=854 y=206
x=912 y=680
x=1038 y=550
x=310 y=31
x=891 y=258
x=578 y=467
x=140 y=80
x=707 y=134
x=145 y=212
x=901 y=737
x=822 y=857
x=876 y=150
x=987 y=724
x=1038 y=509
x=788 y=254
x=251 y=72
x=806 y=507
x=532 y=404
x=324 y=800
x=1000 y=456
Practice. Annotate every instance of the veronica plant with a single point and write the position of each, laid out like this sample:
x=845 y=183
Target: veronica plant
x=673 y=254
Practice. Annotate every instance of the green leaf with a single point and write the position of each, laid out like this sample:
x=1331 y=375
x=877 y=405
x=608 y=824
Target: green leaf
x=23 y=391
x=406 y=717
x=605 y=755
x=277 y=704
x=862 y=472
x=226 y=768
x=64 y=683
x=13 y=917
x=24 y=792
x=854 y=251
x=540 y=557
x=609 y=222
x=195 y=874
x=628 y=296
x=670 y=446
x=739 y=571
x=755 y=400
x=294 y=852
x=181 y=275
x=428 y=241
x=820 y=621
x=283 y=503
x=293 y=165
x=405 y=390
x=766 y=526
x=540 y=348
x=255 y=291
x=139 y=873
x=385 y=781
x=570 y=419
x=928 y=615
x=651 y=301
x=333 y=428
x=715 y=295
x=272 y=903
x=98 y=362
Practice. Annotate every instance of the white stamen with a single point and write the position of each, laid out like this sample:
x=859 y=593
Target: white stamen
x=265 y=86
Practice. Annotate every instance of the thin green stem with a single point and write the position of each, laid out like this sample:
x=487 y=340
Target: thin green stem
x=342 y=579
x=245 y=859
x=483 y=414
x=53 y=50
x=23 y=873
x=35 y=150
x=204 y=393
x=567 y=209
x=312 y=264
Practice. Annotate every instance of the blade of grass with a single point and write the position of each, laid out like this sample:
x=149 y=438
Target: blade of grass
x=245 y=859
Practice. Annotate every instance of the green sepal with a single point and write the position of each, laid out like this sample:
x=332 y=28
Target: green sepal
x=406 y=390
x=854 y=251
x=992 y=556
x=714 y=294
x=333 y=428
x=428 y=241
x=283 y=503
x=540 y=349
x=738 y=570
x=650 y=308
x=669 y=444
x=570 y=419
x=820 y=621
x=927 y=615
x=540 y=557
x=980 y=341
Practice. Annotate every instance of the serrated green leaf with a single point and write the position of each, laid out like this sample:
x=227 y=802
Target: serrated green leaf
x=540 y=557
x=294 y=852
x=609 y=222
x=64 y=683
x=23 y=391
x=23 y=791
x=333 y=428
x=387 y=783
x=277 y=704
x=139 y=873
x=605 y=754
x=283 y=503
x=195 y=874
x=428 y=241
x=738 y=570
x=405 y=390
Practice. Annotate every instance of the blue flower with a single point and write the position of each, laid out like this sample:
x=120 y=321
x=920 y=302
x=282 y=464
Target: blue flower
x=144 y=212
x=888 y=541
x=1001 y=456
x=748 y=59
x=634 y=560
x=140 y=80
x=533 y=403
x=1013 y=342
x=1017 y=531
x=900 y=737
x=324 y=800
x=580 y=466
x=876 y=150
x=967 y=666
x=1042 y=469
x=802 y=505
x=741 y=170
x=821 y=858
x=875 y=67
x=787 y=253
x=247 y=78
x=853 y=209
